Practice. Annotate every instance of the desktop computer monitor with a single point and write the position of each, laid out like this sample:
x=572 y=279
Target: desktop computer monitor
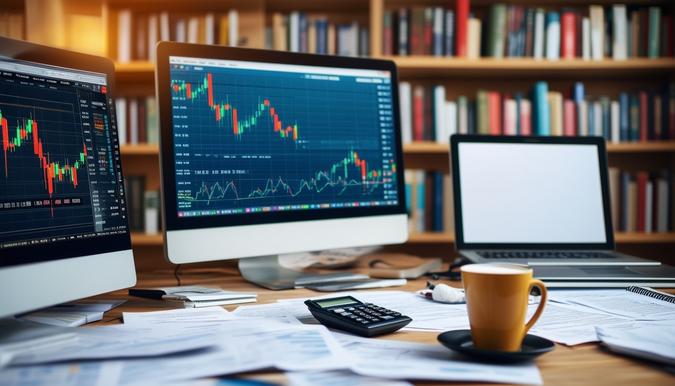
x=63 y=222
x=267 y=152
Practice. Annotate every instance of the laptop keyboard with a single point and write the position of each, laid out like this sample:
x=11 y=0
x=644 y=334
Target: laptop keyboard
x=545 y=255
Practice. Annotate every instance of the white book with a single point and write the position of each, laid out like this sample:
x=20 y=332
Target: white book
x=553 y=40
x=133 y=121
x=649 y=207
x=510 y=114
x=473 y=51
x=181 y=31
x=539 y=34
x=662 y=195
x=121 y=114
x=124 y=36
x=619 y=32
x=405 y=100
x=210 y=28
x=451 y=120
x=582 y=118
x=462 y=116
x=233 y=24
x=164 y=26
x=597 y=32
x=586 y=38
x=294 y=32
x=439 y=113
x=153 y=33
x=615 y=117
x=193 y=30
x=597 y=118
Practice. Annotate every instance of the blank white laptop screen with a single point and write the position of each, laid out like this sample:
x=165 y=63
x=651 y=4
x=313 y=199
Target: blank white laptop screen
x=531 y=193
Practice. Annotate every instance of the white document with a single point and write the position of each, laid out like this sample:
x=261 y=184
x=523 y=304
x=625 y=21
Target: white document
x=630 y=305
x=287 y=309
x=405 y=360
x=338 y=378
x=643 y=340
x=571 y=325
x=182 y=315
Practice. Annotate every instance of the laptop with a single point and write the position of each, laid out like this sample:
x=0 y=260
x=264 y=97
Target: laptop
x=540 y=201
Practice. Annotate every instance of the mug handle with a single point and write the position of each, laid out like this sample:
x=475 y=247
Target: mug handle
x=544 y=295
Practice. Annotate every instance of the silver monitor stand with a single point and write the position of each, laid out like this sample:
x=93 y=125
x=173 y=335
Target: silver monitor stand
x=266 y=271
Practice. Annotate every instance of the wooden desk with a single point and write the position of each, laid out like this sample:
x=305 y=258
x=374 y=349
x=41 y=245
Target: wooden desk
x=580 y=365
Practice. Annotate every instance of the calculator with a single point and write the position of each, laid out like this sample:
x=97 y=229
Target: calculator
x=348 y=314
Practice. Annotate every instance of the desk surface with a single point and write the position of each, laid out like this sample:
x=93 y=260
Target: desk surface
x=581 y=365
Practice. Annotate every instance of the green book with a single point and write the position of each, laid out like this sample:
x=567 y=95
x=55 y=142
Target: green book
x=654 y=32
x=496 y=31
x=482 y=113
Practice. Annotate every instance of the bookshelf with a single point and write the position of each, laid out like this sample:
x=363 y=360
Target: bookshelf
x=136 y=78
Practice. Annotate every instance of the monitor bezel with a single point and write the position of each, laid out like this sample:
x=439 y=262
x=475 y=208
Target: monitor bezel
x=599 y=142
x=21 y=255
x=172 y=222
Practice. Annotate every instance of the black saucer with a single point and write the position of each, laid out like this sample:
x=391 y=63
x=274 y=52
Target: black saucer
x=460 y=341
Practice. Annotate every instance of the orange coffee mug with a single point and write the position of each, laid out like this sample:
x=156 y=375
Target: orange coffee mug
x=496 y=298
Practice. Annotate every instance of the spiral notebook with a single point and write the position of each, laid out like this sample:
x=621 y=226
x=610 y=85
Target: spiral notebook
x=652 y=293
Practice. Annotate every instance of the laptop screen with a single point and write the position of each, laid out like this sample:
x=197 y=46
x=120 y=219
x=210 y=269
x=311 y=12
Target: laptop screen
x=531 y=193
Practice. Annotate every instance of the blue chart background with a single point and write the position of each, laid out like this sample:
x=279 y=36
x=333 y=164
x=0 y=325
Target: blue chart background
x=333 y=118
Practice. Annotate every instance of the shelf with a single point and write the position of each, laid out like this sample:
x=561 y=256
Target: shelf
x=140 y=150
x=621 y=238
x=145 y=240
x=428 y=66
x=433 y=148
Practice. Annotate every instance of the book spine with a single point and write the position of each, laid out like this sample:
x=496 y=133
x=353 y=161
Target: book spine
x=568 y=35
x=482 y=113
x=641 y=201
x=619 y=32
x=438 y=202
x=634 y=117
x=538 y=46
x=387 y=34
x=497 y=27
x=462 y=33
x=440 y=120
x=552 y=36
x=569 y=118
x=541 y=118
x=654 y=32
x=418 y=113
x=643 y=116
x=525 y=117
x=615 y=111
x=449 y=33
x=495 y=114
x=597 y=32
x=403 y=31
x=438 y=21
x=624 y=118
x=405 y=97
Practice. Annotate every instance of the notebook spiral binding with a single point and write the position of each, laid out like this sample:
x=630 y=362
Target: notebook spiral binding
x=652 y=293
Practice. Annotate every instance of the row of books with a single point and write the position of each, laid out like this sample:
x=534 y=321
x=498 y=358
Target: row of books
x=647 y=115
x=12 y=25
x=299 y=32
x=137 y=33
x=142 y=205
x=137 y=120
x=640 y=202
x=596 y=32
x=429 y=201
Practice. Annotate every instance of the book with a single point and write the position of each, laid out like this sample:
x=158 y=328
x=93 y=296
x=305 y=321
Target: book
x=440 y=120
x=405 y=101
x=462 y=32
x=641 y=204
x=438 y=19
x=540 y=109
x=474 y=38
x=403 y=31
x=538 y=46
x=124 y=21
x=494 y=113
x=586 y=38
x=496 y=30
x=151 y=211
x=449 y=33
x=619 y=32
x=552 y=35
x=654 y=34
x=568 y=34
x=597 y=18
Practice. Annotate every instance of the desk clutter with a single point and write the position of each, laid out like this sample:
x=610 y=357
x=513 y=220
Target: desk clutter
x=181 y=345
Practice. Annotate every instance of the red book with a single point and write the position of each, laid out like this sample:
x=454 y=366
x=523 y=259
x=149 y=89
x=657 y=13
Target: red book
x=644 y=116
x=642 y=178
x=494 y=113
x=418 y=114
x=568 y=35
x=462 y=32
x=569 y=118
x=525 y=117
x=428 y=32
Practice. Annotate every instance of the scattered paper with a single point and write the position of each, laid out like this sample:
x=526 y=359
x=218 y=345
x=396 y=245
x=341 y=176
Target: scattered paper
x=405 y=360
x=338 y=378
x=630 y=305
x=181 y=315
x=651 y=341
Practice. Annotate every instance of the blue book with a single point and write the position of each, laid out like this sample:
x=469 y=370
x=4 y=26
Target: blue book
x=606 y=117
x=437 y=22
x=624 y=117
x=591 y=119
x=421 y=201
x=302 y=23
x=449 y=32
x=634 y=114
x=541 y=115
x=438 y=202
x=321 y=26
x=578 y=96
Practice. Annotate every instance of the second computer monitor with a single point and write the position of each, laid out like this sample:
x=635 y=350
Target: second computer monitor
x=267 y=152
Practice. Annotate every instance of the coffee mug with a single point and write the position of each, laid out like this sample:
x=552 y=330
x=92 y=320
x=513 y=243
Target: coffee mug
x=496 y=298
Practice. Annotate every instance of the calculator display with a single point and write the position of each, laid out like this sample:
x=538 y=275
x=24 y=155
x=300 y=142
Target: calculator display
x=336 y=302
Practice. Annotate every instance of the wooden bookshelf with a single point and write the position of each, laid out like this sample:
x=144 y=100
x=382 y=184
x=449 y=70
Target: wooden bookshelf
x=460 y=76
